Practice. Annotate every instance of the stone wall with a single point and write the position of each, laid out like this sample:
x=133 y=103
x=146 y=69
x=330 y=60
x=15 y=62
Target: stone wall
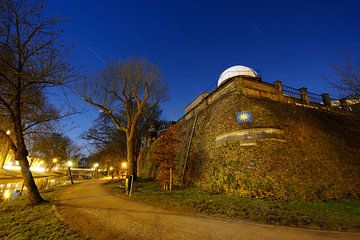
x=315 y=154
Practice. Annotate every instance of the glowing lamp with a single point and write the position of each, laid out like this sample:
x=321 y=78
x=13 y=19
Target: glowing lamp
x=7 y=194
x=124 y=165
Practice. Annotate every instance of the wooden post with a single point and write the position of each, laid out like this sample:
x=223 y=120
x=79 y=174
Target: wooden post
x=131 y=184
x=71 y=178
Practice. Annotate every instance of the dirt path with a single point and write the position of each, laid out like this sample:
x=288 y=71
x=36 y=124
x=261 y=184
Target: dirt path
x=95 y=211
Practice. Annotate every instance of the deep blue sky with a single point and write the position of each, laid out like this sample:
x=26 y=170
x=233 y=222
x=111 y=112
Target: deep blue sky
x=193 y=42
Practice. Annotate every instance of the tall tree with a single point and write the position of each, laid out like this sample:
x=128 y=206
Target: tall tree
x=30 y=61
x=126 y=89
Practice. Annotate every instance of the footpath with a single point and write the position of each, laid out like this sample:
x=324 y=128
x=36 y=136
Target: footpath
x=92 y=209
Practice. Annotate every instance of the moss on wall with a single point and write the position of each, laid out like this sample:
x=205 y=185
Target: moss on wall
x=320 y=158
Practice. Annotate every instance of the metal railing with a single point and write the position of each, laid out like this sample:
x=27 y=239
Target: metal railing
x=291 y=92
x=315 y=98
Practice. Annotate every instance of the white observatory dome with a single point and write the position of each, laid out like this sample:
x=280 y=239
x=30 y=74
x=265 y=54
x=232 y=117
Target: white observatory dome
x=234 y=71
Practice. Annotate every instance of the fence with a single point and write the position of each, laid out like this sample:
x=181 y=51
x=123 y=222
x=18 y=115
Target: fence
x=291 y=92
x=315 y=98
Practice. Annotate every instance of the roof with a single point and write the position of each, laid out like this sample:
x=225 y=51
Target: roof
x=235 y=71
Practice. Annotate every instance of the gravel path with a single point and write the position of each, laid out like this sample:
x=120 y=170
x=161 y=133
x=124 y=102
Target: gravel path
x=95 y=211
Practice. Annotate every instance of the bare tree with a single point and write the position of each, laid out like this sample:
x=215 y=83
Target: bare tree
x=55 y=146
x=103 y=135
x=347 y=76
x=126 y=89
x=30 y=61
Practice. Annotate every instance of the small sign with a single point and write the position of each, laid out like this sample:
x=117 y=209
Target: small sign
x=243 y=117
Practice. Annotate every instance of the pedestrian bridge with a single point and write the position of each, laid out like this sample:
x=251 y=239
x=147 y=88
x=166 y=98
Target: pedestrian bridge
x=85 y=173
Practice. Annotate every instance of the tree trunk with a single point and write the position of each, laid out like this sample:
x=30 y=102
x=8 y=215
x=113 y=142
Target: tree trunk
x=130 y=156
x=34 y=196
x=21 y=155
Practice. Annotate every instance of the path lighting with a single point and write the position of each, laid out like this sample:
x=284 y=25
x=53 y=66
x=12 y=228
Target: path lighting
x=111 y=168
x=69 y=163
x=96 y=165
x=124 y=165
x=55 y=160
x=8 y=132
x=7 y=194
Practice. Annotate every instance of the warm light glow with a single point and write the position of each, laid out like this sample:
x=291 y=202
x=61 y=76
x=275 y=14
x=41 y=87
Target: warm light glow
x=111 y=168
x=17 y=168
x=37 y=169
x=69 y=163
x=55 y=160
x=11 y=167
x=96 y=165
x=6 y=194
x=8 y=132
x=124 y=165
x=17 y=163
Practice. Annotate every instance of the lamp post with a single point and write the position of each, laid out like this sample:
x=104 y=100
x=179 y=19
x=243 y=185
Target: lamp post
x=54 y=161
x=69 y=164
x=96 y=165
x=123 y=168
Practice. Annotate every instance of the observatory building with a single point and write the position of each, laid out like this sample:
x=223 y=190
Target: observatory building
x=236 y=71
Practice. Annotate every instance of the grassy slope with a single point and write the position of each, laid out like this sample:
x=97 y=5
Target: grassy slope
x=330 y=215
x=18 y=221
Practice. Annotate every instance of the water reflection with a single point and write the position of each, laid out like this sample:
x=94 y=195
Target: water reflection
x=13 y=190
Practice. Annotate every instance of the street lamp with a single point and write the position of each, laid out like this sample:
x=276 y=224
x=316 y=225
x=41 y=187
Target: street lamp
x=8 y=132
x=69 y=163
x=96 y=174
x=124 y=165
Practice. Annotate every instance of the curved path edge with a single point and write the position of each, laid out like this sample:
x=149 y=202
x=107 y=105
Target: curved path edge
x=93 y=210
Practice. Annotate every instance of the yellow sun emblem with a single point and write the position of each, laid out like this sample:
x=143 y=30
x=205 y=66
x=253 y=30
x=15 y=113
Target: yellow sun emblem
x=244 y=116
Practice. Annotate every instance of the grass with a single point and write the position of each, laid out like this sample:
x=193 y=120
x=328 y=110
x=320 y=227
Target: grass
x=330 y=215
x=19 y=221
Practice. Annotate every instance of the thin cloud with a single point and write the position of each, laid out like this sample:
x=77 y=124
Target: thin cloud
x=157 y=26
x=255 y=27
x=95 y=54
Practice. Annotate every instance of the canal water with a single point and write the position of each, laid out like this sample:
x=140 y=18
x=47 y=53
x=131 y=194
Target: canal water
x=11 y=188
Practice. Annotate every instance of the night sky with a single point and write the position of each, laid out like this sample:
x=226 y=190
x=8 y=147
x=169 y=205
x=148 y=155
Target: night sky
x=193 y=42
